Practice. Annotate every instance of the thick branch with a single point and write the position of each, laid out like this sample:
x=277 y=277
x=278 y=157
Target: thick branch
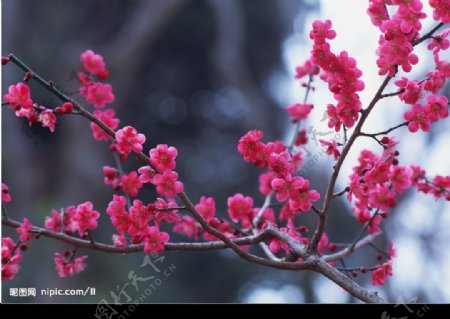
x=94 y=245
x=345 y=282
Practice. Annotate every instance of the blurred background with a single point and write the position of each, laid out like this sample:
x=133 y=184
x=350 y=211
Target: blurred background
x=198 y=75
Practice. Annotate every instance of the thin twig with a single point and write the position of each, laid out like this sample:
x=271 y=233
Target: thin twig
x=342 y=192
x=386 y=131
x=351 y=249
x=363 y=231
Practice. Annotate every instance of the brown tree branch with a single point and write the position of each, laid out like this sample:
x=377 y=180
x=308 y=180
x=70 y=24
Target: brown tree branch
x=311 y=261
x=329 y=194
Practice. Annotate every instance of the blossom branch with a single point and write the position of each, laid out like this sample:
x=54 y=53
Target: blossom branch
x=311 y=262
x=91 y=244
x=330 y=190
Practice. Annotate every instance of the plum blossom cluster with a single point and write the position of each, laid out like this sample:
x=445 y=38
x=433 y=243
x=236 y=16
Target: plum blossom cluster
x=375 y=183
x=72 y=219
x=341 y=74
x=67 y=264
x=11 y=251
x=439 y=186
x=19 y=99
x=11 y=258
x=96 y=93
x=383 y=271
x=398 y=33
x=291 y=190
x=139 y=222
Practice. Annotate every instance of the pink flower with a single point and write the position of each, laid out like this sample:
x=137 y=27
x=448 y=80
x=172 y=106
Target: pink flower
x=167 y=184
x=224 y=227
x=305 y=69
x=302 y=138
x=441 y=186
x=334 y=121
x=280 y=164
x=400 y=178
x=19 y=96
x=131 y=183
x=188 y=227
x=439 y=42
x=380 y=274
x=163 y=212
x=392 y=250
x=206 y=207
x=54 y=222
x=300 y=197
x=128 y=140
x=10 y=259
x=155 y=240
x=146 y=174
x=240 y=209
x=111 y=175
x=6 y=197
x=331 y=148
x=436 y=107
x=276 y=244
x=382 y=197
x=262 y=156
x=322 y=31
x=299 y=111
x=286 y=213
x=24 y=230
x=48 y=119
x=373 y=228
x=86 y=217
x=265 y=183
x=93 y=63
x=322 y=243
x=163 y=157
x=418 y=118
x=441 y=10
x=66 y=267
x=282 y=186
x=412 y=90
x=119 y=240
x=435 y=81
x=107 y=117
x=267 y=217
x=378 y=12
x=140 y=214
x=250 y=146
x=29 y=113
x=119 y=216
x=98 y=94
